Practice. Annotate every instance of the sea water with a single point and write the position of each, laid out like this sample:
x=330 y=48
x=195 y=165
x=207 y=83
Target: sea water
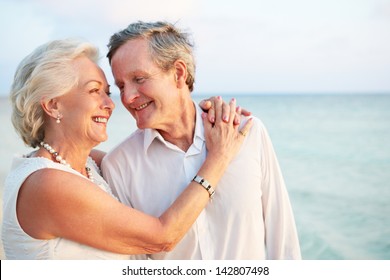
x=334 y=153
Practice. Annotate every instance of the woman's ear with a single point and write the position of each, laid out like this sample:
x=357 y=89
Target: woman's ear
x=50 y=107
x=180 y=73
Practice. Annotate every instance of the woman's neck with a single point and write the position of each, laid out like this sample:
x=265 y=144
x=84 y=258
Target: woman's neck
x=68 y=154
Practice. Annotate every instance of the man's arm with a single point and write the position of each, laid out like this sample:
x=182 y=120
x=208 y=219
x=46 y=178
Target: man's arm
x=280 y=230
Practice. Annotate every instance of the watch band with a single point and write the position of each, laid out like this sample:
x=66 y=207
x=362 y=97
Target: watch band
x=204 y=183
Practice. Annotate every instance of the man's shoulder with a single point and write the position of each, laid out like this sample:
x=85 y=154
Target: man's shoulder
x=257 y=123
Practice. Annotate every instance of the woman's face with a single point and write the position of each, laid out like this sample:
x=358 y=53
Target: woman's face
x=87 y=107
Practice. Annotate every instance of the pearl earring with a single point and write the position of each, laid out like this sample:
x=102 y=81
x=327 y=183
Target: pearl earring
x=58 y=118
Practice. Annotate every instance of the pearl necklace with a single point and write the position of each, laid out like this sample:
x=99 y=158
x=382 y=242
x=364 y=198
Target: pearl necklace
x=59 y=159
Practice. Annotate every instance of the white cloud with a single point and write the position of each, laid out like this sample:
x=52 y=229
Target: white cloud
x=299 y=46
x=246 y=45
x=121 y=12
x=22 y=27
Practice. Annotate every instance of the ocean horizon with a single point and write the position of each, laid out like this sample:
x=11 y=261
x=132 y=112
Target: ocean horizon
x=334 y=153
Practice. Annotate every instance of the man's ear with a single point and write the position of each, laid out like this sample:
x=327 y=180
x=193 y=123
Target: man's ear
x=180 y=69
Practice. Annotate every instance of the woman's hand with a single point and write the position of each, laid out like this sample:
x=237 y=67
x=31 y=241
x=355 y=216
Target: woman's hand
x=208 y=105
x=223 y=137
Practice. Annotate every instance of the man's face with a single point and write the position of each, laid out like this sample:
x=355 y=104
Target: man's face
x=147 y=92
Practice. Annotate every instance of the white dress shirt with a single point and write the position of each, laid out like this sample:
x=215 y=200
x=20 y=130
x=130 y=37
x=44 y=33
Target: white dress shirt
x=250 y=216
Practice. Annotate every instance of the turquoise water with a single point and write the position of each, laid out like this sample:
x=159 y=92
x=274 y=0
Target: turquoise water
x=334 y=152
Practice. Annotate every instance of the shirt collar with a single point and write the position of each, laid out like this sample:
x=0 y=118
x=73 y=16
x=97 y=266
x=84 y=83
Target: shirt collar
x=151 y=134
x=199 y=128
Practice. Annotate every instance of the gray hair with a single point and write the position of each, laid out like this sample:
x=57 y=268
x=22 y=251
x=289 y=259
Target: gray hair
x=167 y=44
x=44 y=74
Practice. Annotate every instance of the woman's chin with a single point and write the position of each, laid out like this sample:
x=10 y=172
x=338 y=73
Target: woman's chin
x=100 y=140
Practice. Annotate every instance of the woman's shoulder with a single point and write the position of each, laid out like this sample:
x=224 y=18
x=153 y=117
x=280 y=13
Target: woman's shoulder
x=40 y=169
x=24 y=165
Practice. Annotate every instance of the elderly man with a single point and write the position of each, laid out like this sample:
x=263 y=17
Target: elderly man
x=250 y=217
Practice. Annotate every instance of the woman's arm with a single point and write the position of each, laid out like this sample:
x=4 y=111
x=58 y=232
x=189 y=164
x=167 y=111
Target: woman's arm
x=223 y=141
x=54 y=203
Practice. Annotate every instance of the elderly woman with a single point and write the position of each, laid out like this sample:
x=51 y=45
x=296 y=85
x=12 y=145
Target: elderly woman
x=56 y=204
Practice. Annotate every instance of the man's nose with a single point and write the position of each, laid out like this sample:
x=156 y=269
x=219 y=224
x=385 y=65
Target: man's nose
x=129 y=94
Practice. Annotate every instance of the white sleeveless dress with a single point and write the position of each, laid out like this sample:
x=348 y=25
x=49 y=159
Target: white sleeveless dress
x=18 y=244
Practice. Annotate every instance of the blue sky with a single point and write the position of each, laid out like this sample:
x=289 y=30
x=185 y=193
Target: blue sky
x=245 y=46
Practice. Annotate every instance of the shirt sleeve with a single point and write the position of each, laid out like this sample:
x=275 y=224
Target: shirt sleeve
x=110 y=175
x=114 y=177
x=281 y=238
